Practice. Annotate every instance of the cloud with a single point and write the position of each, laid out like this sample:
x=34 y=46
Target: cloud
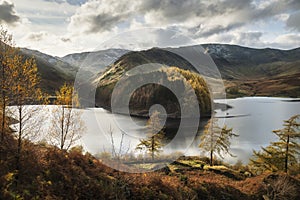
x=286 y=41
x=202 y=18
x=64 y=39
x=100 y=16
x=82 y=24
x=37 y=36
x=8 y=13
x=71 y=2
x=248 y=38
x=244 y=38
x=293 y=21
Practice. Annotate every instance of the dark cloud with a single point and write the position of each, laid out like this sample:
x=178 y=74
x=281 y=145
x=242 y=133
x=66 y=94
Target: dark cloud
x=293 y=21
x=7 y=13
x=100 y=16
x=173 y=10
x=97 y=23
x=208 y=31
x=103 y=22
x=201 y=18
x=238 y=13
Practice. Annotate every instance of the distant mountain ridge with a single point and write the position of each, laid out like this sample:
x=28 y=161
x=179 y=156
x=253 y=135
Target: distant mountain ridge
x=233 y=59
x=246 y=71
x=257 y=72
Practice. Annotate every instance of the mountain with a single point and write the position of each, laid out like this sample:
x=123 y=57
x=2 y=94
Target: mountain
x=236 y=62
x=245 y=71
x=54 y=72
x=92 y=63
x=257 y=72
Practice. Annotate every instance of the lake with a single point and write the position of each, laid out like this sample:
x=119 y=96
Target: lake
x=253 y=118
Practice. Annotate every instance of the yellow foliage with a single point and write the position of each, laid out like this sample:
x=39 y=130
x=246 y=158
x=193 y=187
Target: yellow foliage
x=9 y=176
x=67 y=96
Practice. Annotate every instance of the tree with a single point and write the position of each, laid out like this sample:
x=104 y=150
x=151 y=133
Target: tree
x=19 y=87
x=7 y=51
x=282 y=154
x=216 y=140
x=24 y=91
x=67 y=125
x=153 y=142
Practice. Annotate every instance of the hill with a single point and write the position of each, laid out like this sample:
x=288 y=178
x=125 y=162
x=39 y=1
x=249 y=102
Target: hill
x=54 y=72
x=151 y=94
x=257 y=72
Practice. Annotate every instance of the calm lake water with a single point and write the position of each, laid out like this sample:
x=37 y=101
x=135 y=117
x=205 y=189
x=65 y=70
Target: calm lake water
x=253 y=118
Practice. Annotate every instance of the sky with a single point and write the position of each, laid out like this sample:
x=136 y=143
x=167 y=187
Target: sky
x=60 y=27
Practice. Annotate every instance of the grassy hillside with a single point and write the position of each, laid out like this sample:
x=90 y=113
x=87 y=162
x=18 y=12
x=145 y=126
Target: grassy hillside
x=49 y=173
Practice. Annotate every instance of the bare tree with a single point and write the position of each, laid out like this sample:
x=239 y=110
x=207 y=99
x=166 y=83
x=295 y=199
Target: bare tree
x=66 y=125
x=120 y=151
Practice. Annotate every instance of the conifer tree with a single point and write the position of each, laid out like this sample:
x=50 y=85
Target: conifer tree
x=216 y=140
x=153 y=142
x=282 y=154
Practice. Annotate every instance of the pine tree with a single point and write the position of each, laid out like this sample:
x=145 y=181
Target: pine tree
x=216 y=140
x=282 y=154
x=67 y=125
x=153 y=142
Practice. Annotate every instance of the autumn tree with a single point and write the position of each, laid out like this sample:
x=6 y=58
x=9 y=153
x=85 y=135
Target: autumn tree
x=153 y=142
x=216 y=140
x=282 y=154
x=67 y=125
x=24 y=93
x=7 y=51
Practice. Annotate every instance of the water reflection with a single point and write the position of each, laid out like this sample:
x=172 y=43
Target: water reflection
x=253 y=118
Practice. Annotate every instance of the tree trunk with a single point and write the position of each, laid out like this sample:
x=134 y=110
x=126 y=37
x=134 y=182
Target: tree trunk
x=62 y=128
x=19 y=148
x=287 y=154
x=211 y=158
x=3 y=104
x=152 y=147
